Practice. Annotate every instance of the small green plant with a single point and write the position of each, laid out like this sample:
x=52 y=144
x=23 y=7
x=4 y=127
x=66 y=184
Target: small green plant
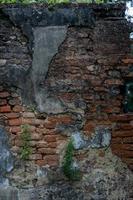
x=25 y=150
x=69 y=171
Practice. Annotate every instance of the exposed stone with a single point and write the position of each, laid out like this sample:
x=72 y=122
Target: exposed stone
x=78 y=141
x=101 y=138
x=6 y=159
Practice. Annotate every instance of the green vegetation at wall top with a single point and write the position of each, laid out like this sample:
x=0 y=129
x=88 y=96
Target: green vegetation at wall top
x=58 y=1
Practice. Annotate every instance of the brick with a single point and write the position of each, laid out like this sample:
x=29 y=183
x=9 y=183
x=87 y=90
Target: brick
x=35 y=136
x=32 y=128
x=53 y=121
x=28 y=115
x=47 y=151
x=50 y=138
x=4 y=94
x=112 y=109
x=5 y=109
x=12 y=115
x=128 y=140
x=33 y=121
x=15 y=122
x=33 y=143
x=15 y=129
x=35 y=157
x=52 y=144
x=42 y=144
x=114 y=82
x=17 y=108
x=127 y=133
x=117 y=140
x=123 y=153
x=89 y=127
x=18 y=142
x=127 y=61
x=121 y=117
x=123 y=147
x=41 y=162
x=52 y=160
x=126 y=126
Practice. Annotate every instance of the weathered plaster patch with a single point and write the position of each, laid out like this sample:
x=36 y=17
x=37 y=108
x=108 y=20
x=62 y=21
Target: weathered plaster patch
x=47 y=41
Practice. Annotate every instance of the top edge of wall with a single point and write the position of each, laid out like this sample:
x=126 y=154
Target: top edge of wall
x=28 y=16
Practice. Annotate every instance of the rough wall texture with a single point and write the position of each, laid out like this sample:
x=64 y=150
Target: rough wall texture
x=73 y=91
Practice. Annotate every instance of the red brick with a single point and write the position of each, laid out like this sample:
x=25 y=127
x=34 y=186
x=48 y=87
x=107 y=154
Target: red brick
x=4 y=109
x=114 y=82
x=89 y=127
x=42 y=144
x=17 y=108
x=15 y=122
x=112 y=109
x=35 y=157
x=15 y=129
x=121 y=117
x=4 y=94
x=41 y=162
x=18 y=142
x=52 y=121
x=127 y=133
x=128 y=140
x=28 y=115
x=50 y=138
x=122 y=153
x=128 y=60
x=12 y=115
x=126 y=126
x=35 y=136
x=123 y=147
x=117 y=140
x=47 y=151
x=52 y=144
x=33 y=121
x=52 y=160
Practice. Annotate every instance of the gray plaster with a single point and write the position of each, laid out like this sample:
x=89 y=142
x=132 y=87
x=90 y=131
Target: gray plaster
x=46 y=43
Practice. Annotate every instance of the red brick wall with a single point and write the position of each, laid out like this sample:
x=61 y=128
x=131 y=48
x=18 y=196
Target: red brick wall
x=88 y=72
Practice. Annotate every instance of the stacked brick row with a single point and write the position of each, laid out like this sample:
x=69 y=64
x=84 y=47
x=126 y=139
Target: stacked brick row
x=45 y=139
x=92 y=69
x=86 y=75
